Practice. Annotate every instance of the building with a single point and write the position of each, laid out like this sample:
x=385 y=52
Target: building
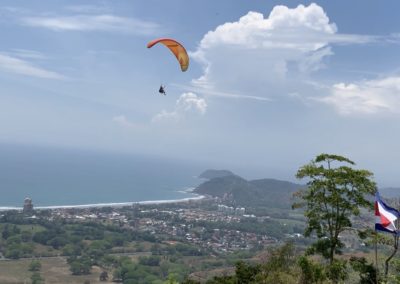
x=28 y=206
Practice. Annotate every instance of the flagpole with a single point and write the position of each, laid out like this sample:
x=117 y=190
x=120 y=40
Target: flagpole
x=376 y=237
x=387 y=221
x=376 y=257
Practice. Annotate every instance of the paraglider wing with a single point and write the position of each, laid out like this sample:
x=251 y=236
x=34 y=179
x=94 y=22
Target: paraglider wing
x=176 y=48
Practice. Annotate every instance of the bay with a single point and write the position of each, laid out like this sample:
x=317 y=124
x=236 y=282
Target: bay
x=56 y=177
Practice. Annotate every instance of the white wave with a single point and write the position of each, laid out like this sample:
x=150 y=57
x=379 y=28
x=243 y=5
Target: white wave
x=120 y=204
x=5 y=208
x=187 y=190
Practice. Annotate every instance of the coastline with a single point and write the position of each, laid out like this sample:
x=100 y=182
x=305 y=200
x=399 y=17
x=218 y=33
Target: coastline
x=115 y=204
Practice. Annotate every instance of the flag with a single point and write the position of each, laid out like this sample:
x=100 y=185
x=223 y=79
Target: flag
x=385 y=216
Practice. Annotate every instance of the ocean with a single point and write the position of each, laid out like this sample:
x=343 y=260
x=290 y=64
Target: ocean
x=64 y=177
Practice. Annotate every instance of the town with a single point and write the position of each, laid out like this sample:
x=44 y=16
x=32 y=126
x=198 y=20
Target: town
x=205 y=223
x=196 y=237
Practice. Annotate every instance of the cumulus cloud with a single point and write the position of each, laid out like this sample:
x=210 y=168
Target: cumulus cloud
x=261 y=56
x=365 y=97
x=15 y=65
x=103 y=22
x=187 y=103
x=279 y=30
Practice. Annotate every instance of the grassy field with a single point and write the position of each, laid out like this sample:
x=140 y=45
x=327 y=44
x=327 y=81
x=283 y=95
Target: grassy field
x=54 y=270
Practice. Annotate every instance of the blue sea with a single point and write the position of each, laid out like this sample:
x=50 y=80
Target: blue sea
x=57 y=177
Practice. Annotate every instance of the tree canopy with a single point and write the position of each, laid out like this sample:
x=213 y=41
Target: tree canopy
x=336 y=192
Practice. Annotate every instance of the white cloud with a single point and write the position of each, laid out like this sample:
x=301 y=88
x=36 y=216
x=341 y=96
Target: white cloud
x=187 y=103
x=104 y=22
x=198 y=87
x=280 y=30
x=266 y=57
x=29 y=54
x=365 y=97
x=191 y=102
x=18 y=66
x=124 y=122
x=166 y=116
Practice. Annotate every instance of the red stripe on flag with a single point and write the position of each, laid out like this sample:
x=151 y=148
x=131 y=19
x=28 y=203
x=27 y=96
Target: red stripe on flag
x=376 y=209
x=384 y=221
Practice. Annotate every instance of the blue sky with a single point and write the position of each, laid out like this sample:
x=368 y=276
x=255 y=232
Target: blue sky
x=270 y=85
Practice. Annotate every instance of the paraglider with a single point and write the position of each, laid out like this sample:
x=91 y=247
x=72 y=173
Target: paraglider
x=176 y=48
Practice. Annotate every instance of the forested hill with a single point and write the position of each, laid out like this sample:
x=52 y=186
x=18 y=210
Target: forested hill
x=261 y=192
x=210 y=174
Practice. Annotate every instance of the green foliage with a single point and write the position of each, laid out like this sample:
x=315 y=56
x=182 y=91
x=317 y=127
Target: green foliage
x=72 y=250
x=151 y=269
x=394 y=276
x=189 y=281
x=335 y=194
x=264 y=192
x=150 y=261
x=246 y=273
x=171 y=279
x=16 y=250
x=281 y=268
x=178 y=249
x=26 y=236
x=366 y=270
x=9 y=230
x=80 y=266
x=35 y=265
x=223 y=280
x=311 y=272
x=337 y=271
x=15 y=239
x=36 y=278
x=13 y=252
x=57 y=242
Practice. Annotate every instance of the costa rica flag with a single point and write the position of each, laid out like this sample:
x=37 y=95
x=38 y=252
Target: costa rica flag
x=385 y=216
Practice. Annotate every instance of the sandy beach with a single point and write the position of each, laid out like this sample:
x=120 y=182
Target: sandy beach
x=120 y=204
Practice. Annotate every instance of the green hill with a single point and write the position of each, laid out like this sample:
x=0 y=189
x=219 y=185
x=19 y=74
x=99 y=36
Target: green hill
x=210 y=174
x=261 y=192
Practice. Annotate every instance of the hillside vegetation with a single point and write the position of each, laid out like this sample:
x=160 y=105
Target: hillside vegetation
x=262 y=192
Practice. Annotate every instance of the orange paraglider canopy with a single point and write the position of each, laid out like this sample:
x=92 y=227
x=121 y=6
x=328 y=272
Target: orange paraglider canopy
x=176 y=48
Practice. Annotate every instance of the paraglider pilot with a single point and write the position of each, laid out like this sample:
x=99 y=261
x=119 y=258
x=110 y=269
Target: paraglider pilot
x=162 y=91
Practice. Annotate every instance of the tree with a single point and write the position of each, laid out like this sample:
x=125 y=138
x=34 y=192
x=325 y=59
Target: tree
x=35 y=265
x=246 y=273
x=311 y=272
x=171 y=279
x=336 y=192
x=37 y=278
x=367 y=271
x=80 y=266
